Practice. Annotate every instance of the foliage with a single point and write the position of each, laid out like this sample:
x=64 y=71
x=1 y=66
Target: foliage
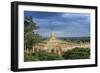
x=29 y=24
x=77 y=53
x=42 y=56
x=28 y=57
x=48 y=56
x=30 y=38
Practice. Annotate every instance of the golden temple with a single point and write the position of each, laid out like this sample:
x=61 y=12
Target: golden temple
x=56 y=46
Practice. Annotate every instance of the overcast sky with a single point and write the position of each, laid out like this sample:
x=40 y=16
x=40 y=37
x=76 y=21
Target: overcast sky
x=63 y=24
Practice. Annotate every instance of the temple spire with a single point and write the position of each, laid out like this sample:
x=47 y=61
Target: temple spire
x=53 y=36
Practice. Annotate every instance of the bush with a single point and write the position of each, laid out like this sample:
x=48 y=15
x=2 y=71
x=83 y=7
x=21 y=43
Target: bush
x=77 y=53
x=28 y=57
x=42 y=56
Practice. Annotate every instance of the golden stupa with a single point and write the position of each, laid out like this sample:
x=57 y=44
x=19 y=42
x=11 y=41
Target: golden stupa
x=51 y=45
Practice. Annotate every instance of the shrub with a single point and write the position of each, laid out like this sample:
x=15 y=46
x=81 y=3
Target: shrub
x=28 y=57
x=42 y=56
x=77 y=53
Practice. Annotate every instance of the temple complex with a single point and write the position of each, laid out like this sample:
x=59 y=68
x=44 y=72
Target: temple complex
x=56 y=46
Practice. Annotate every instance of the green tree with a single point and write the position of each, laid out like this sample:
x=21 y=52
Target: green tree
x=30 y=38
x=29 y=24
